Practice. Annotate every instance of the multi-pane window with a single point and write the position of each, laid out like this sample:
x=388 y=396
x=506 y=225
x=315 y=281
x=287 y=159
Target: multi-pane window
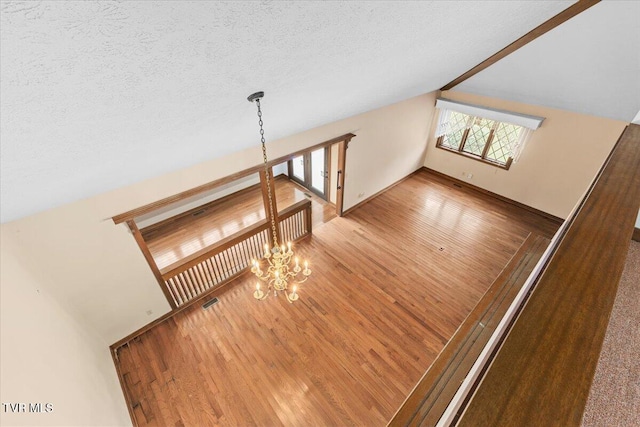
x=487 y=140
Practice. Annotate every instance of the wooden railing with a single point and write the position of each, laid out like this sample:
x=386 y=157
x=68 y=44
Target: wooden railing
x=217 y=264
x=538 y=366
x=295 y=221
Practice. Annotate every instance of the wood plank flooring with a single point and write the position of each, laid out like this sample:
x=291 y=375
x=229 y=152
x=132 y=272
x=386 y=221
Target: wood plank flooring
x=543 y=371
x=429 y=400
x=179 y=239
x=391 y=283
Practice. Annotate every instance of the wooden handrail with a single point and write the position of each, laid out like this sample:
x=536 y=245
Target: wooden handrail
x=542 y=370
x=206 y=253
x=430 y=397
x=294 y=209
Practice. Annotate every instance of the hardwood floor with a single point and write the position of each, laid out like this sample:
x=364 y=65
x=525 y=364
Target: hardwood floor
x=391 y=283
x=178 y=239
x=429 y=399
x=543 y=371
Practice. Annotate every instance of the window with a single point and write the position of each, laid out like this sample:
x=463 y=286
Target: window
x=483 y=139
x=491 y=136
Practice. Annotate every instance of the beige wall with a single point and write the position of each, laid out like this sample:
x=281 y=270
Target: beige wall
x=558 y=164
x=95 y=286
x=95 y=269
x=49 y=357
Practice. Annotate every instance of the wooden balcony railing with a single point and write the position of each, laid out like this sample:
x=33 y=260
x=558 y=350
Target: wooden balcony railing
x=536 y=368
x=217 y=264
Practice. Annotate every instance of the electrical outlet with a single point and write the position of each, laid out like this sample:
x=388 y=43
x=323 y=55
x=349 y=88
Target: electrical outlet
x=360 y=195
x=470 y=176
x=149 y=312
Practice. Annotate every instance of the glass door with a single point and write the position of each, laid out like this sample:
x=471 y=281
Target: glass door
x=319 y=172
x=310 y=171
x=298 y=169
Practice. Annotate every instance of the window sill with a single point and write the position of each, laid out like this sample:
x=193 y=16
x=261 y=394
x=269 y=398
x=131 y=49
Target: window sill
x=477 y=158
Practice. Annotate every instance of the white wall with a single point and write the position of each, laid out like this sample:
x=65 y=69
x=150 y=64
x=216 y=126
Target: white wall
x=638 y=221
x=49 y=357
x=559 y=162
x=281 y=169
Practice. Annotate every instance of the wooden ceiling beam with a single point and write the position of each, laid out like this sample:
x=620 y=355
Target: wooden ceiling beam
x=541 y=29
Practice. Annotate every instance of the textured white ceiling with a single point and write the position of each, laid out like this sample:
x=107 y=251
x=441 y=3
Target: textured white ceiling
x=99 y=95
x=590 y=64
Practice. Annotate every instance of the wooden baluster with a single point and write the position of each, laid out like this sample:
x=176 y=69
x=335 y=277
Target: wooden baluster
x=194 y=290
x=174 y=293
x=235 y=258
x=179 y=286
x=185 y=286
x=197 y=279
x=208 y=270
x=219 y=269
x=204 y=282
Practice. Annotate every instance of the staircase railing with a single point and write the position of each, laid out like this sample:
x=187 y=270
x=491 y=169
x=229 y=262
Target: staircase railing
x=217 y=264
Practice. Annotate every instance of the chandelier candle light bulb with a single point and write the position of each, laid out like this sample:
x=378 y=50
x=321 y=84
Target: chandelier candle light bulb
x=278 y=274
x=258 y=294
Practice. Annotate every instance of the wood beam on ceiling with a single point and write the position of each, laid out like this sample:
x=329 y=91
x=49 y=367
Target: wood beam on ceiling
x=541 y=29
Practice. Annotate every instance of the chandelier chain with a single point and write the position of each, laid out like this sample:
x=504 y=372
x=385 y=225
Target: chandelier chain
x=266 y=173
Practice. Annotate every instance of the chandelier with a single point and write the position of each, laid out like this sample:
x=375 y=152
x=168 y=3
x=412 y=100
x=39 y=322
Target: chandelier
x=282 y=268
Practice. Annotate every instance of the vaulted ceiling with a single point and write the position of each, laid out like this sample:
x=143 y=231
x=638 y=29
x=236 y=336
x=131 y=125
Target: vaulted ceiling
x=100 y=95
x=590 y=64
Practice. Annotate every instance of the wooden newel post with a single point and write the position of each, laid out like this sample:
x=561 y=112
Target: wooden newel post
x=265 y=200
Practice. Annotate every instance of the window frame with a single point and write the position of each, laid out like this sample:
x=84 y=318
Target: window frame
x=481 y=158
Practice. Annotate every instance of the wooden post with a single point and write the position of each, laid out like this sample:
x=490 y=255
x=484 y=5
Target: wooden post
x=342 y=160
x=152 y=263
x=265 y=200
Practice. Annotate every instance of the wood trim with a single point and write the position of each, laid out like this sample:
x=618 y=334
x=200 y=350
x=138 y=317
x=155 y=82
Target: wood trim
x=463 y=141
x=456 y=182
x=558 y=334
x=286 y=213
x=483 y=157
x=152 y=263
x=209 y=293
x=125 y=390
x=430 y=397
x=342 y=162
x=294 y=209
x=541 y=29
x=206 y=253
x=506 y=166
x=123 y=217
x=265 y=199
x=327 y=180
x=146 y=231
x=389 y=187
x=636 y=234
x=307 y=183
x=488 y=143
